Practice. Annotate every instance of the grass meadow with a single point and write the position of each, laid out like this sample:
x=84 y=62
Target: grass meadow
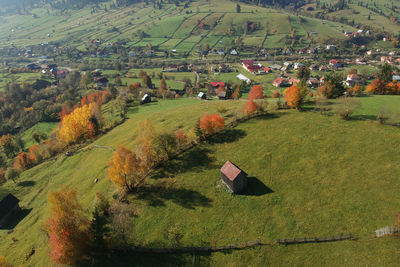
x=327 y=176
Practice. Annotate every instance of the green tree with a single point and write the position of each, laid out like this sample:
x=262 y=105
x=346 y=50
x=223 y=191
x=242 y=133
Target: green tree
x=303 y=73
x=238 y=8
x=385 y=73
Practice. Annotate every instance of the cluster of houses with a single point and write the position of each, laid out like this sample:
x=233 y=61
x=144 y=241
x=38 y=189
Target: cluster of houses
x=357 y=33
x=314 y=83
x=253 y=68
x=50 y=69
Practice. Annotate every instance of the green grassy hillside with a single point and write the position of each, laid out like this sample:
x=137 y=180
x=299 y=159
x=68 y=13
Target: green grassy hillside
x=168 y=28
x=329 y=176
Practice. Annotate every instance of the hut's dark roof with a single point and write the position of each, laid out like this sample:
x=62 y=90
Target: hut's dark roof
x=231 y=171
x=7 y=203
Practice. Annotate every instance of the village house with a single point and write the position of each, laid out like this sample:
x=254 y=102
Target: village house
x=353 y=79
x=250 y=66
x=335 y=63
x=9 y=208
x=313 y=82
x=222 y=95
x=280 y=82
x=385 y=59
x=330 y=47
x=275 y=67
x=293 y=81
x=62 y=73
x=224 y=68
x=322 y=68
x=102 y=82
x=298 y=65
x=233 y=177
x=217 y=85
x=234 y=52
x=396 y=78
x=361 y=61
x=33 y=66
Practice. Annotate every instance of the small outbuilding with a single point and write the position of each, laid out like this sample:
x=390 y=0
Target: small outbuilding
x=9 y=208
x=233 y=177
x=145 y=99
x=202 y=95
x=222 y=95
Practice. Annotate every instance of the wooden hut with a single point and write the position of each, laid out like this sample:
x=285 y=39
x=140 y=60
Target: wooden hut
x=233 y=177
x=145 y=99
x=202 y=95
x=8 y=208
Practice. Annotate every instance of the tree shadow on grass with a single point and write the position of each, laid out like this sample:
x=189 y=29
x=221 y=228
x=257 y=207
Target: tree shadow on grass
x=196 y=159
x=27 y=183
x=189 y=199
x=16 y=220
x=255 y=187
x=123 y=259
x=364 y=117
x=270 y=116
x=227 y=136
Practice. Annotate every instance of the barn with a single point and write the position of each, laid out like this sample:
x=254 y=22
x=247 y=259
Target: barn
x=8 y=209
x=233 y=177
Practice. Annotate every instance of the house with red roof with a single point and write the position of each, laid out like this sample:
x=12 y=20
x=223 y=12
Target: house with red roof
x=353 y=79
x=254 y=68
x=217 y=84
x=233 y=177
x=335 y=63
x=280 y=82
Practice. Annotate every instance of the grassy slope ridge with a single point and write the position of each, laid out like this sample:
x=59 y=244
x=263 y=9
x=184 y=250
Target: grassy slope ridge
x=328 y=176
x=167 y=28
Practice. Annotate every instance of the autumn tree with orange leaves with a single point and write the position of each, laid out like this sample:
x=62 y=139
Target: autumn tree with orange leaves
x=376 y=87
x=293 y=97
x=256 y=92
x=22 y=162
x=67 y=227
x=145 y=144
x=210 y=124
x=356 y=90
x=250 y=107
x=3 y=262
x=125 y=170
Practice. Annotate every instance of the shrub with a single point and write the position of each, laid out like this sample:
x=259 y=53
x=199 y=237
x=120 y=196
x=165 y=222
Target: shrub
x=345 y=107
x=275 y=94
x=250 y=107
x=321 y=104
x=383 y=115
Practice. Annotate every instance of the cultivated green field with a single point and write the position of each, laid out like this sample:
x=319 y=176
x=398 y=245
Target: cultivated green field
x=172 y=27
x=325 y=180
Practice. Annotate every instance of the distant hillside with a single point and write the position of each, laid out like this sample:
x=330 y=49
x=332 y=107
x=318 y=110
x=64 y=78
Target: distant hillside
x=190 y=26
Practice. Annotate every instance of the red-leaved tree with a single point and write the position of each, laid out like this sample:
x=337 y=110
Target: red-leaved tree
x=256 y=92
x=250 y=107
x=68 y=228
